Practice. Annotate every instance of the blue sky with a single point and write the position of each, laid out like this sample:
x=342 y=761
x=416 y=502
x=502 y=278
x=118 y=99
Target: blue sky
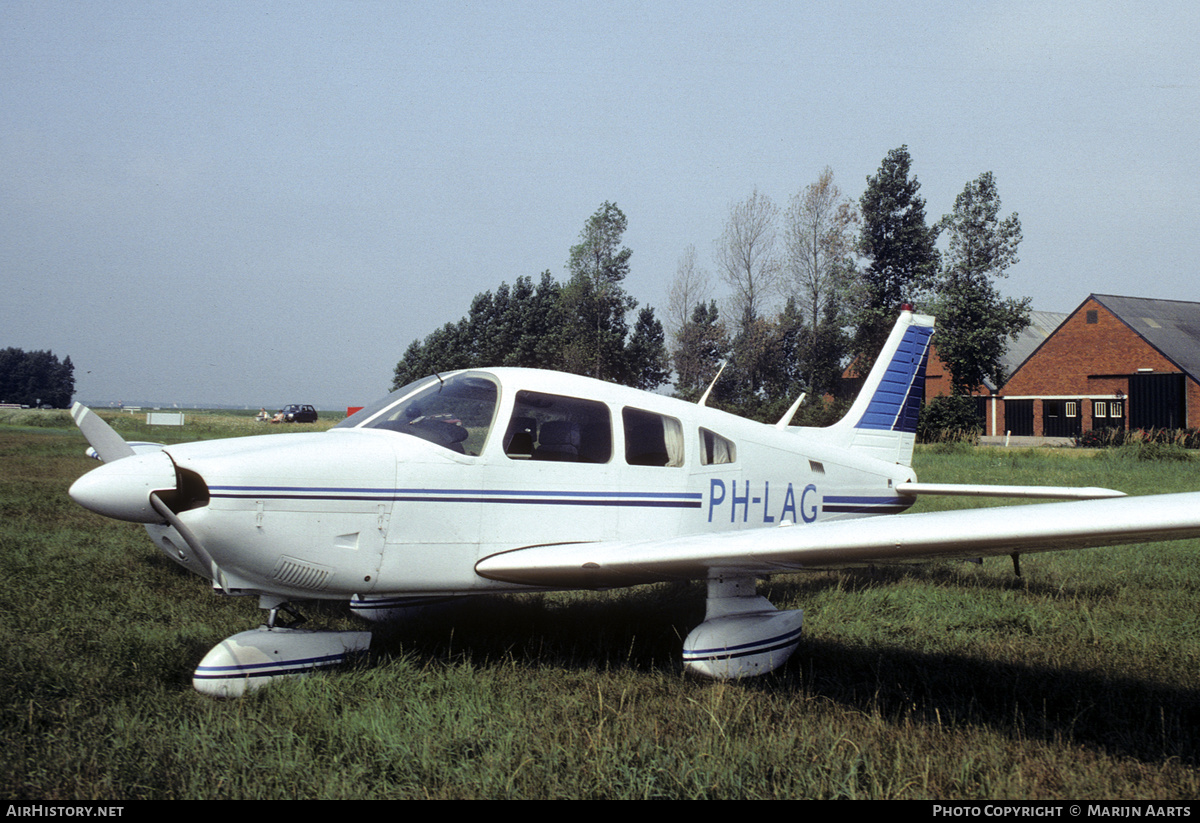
x=264 y=203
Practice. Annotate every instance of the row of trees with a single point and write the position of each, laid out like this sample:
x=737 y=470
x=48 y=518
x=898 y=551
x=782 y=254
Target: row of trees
x=819 y=286
x=36 y=378
x=579 y=326
x=808 y=290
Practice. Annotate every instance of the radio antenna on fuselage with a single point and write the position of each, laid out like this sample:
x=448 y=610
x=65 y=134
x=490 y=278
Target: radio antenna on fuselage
x=708 y=391
x=787 y=417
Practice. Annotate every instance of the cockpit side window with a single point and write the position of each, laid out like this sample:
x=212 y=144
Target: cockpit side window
x=715 y=449
x=652 y=439
x=556 y=428
x=455 y=413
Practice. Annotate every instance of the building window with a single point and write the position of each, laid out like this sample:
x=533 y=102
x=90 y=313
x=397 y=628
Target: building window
x=1099 y=408
x=1116 y=409
x=1070 y=408
x=1093 y=317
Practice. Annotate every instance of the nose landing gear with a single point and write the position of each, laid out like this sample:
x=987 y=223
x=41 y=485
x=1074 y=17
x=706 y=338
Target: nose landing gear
x=251 y=659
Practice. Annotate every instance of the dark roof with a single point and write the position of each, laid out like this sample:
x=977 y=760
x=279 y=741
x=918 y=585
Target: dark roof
x=1171 y=326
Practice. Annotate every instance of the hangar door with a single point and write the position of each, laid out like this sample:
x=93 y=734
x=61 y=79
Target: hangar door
x=1018 y=417
x=1156 y=401
x=1061 y=418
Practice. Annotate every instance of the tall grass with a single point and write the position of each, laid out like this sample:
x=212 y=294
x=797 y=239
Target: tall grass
x=956 y=680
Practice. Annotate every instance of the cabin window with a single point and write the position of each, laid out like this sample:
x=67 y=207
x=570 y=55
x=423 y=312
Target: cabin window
x=652 y=439
x=715 y=449
x=455 y=412
x=552 y=427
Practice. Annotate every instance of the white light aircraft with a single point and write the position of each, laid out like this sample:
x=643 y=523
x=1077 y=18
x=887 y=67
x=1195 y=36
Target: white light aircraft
x=506 y=480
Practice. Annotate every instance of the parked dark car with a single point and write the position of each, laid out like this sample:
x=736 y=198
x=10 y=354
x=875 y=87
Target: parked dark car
x=298 y=414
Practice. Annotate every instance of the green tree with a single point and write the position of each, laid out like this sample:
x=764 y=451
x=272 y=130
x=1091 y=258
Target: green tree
x=747 y=258
x=764 y=374
x=702 y=344
x=949 y=418
x=900 y=250
x=445 y=349
x=646 y=354
x=822 y=352
x=36 y=378
x=536 y=315
x=783 y=373
x=579 y=327
x=973 y=321
x=517 y=326
x=594 y=300
x=819 y=228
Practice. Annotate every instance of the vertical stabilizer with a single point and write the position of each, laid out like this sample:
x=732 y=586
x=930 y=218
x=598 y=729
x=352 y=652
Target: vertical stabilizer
x=883 y=420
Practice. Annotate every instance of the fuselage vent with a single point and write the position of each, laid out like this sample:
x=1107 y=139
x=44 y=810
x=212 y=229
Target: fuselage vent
x=301 y=575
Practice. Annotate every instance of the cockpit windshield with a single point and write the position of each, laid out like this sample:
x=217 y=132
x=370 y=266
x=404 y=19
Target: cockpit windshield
x=454 y=412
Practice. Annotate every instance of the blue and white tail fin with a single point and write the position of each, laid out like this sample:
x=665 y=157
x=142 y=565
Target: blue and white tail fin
x=883 y=420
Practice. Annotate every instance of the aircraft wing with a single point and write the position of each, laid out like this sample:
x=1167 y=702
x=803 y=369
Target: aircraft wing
x=844 y=543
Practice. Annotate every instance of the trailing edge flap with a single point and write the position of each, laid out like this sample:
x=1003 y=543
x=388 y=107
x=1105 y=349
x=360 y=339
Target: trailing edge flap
x=840 y=544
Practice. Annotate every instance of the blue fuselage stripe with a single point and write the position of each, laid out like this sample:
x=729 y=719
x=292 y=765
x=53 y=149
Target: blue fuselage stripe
x=687 y=500
x=844 y=504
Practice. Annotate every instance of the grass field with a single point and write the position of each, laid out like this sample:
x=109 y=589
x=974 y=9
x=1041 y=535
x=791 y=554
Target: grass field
x=1076 y=681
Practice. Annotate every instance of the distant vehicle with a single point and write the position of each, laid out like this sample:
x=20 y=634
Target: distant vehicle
x=298 y=414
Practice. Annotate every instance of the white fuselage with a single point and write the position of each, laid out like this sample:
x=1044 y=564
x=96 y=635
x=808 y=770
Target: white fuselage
x=377 y=511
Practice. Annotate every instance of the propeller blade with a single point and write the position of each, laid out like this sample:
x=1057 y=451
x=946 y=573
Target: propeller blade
x=107 y=443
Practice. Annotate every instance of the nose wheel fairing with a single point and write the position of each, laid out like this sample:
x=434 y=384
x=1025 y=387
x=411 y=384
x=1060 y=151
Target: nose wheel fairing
x=251 y=659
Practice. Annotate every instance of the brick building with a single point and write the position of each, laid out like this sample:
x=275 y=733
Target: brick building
x=1114 y=362
x=937 y=377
